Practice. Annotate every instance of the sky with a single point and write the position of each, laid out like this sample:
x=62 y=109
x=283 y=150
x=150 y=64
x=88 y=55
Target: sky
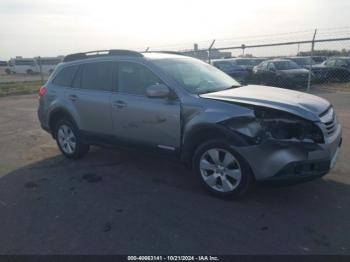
x=57 y=27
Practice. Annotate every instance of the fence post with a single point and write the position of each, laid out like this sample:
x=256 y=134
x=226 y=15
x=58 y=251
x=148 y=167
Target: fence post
x=41 y=71
x=209 y=50
x=310 y=66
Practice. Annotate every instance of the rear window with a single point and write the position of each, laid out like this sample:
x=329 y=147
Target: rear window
x=65 y=76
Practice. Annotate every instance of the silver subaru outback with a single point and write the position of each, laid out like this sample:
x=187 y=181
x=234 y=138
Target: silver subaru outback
x=230 y=135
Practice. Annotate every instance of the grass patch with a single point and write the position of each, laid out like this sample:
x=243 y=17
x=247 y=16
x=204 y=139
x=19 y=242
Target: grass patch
x=16 y=88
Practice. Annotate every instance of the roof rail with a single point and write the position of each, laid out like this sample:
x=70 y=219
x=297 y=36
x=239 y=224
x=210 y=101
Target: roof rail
x=166 y=52
x=97 y=53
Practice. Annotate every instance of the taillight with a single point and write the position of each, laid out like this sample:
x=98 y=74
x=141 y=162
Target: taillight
x=42 y=91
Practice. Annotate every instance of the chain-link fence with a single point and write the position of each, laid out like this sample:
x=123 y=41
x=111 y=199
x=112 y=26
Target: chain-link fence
x=303 y=59
x=293 y=60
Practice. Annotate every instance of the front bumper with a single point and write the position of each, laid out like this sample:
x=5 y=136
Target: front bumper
x=275 y=160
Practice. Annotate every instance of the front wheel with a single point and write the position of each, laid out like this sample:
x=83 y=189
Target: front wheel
x=222 y=171
x=68 y=140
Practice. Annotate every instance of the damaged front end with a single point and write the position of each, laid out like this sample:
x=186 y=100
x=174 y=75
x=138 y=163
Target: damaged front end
x=280 y=145
x=269 y=124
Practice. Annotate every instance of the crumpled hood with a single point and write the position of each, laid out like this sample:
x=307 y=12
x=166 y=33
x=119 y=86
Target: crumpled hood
x=301 y=104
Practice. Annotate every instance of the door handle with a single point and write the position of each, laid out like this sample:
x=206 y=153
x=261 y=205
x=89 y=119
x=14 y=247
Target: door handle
x=73 y=98
x=119 y=104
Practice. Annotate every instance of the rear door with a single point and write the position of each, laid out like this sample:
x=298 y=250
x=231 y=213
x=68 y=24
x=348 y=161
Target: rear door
x=138 y=119
x=90 y=97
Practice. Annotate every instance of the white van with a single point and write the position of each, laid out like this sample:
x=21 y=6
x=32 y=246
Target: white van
x=32 y=66
x=22 y=66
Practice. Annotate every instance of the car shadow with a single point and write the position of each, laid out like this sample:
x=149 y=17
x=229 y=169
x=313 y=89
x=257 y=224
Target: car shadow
x=114 y=201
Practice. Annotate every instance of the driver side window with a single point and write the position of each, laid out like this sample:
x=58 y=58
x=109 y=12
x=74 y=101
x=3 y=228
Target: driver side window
x=134 y=78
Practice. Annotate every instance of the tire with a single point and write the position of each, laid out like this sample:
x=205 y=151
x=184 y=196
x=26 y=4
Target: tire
x=8 y=71
x=220 y=181
x=30 y=72
x=68 y=140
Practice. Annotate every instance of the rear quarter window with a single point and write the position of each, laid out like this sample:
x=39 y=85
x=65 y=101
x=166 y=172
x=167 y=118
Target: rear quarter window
x=65 y=76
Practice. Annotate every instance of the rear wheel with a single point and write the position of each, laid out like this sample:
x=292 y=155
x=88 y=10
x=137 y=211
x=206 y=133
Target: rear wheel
x=222 y=171
x=68 y=140
x=30 y=72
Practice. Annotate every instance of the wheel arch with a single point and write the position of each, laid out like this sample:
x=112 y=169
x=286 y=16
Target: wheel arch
x=57 y=114
x=204 y=132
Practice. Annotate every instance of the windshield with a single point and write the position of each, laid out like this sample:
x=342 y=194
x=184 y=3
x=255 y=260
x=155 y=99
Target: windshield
x=285 y=65
x=196 y=76
x=304 y=61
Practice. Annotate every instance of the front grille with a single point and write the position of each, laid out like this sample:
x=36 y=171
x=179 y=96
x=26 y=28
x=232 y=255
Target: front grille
x=329 y=121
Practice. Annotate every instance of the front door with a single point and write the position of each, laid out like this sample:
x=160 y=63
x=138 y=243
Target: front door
x=138 y=119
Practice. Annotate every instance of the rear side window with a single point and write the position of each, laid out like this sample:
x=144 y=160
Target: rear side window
x=65 y=76
x=97 y=76
x=135 y=78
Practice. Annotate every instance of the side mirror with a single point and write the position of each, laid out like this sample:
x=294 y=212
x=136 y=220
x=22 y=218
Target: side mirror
x=157 y=91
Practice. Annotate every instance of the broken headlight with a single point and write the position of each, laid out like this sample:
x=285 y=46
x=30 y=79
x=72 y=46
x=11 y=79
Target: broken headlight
x=273 y=124
x=286 y=129
x=285 y=126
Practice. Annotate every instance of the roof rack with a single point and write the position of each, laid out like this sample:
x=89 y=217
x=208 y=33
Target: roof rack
x=97 y=53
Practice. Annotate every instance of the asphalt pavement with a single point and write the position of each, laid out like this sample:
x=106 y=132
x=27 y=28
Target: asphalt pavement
x=117 y=202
